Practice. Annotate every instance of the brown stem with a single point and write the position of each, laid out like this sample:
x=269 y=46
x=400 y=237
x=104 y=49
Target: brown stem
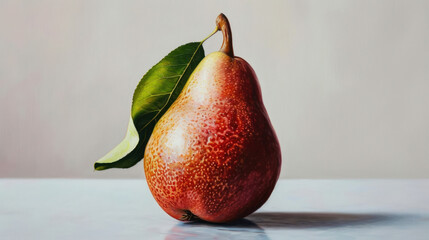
x=222 y=23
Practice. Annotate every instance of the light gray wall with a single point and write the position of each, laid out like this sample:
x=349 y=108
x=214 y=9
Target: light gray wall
x=346 y=83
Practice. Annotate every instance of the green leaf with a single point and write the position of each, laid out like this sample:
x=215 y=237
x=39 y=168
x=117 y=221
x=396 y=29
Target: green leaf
x=123 y=151
x=155 y=93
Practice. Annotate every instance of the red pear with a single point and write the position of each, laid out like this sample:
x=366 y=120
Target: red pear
x=214 y=155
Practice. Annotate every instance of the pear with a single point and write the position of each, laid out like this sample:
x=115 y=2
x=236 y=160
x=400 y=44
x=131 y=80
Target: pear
x=214 y=154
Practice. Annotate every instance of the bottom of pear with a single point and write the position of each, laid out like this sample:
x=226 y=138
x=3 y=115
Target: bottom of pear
x=189 y=216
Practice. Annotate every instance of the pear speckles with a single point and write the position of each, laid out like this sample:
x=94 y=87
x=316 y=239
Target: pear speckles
x=208 y=151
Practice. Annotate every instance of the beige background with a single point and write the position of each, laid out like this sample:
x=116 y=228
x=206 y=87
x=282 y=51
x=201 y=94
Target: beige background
x=346 y=83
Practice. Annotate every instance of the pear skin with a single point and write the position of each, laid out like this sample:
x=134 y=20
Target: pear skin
x=214 y=154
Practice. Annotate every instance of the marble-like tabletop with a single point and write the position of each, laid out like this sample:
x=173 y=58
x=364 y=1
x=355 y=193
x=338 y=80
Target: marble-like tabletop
x=298 y=209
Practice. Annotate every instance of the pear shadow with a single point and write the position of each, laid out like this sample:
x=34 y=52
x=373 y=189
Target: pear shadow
x=254 y=226
x=279 y=220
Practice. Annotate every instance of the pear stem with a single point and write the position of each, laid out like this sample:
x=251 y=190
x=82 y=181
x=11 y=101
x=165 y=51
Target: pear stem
x=222 y=23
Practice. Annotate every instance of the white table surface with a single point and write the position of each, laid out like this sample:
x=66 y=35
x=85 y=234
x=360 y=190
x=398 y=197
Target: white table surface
x=298 y=209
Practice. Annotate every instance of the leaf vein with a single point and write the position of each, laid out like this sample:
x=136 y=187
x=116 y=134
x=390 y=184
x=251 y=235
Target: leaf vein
x=175 y=86
x=183 y=54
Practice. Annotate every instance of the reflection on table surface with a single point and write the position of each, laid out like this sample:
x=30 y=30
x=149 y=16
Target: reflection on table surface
x=70 y=209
